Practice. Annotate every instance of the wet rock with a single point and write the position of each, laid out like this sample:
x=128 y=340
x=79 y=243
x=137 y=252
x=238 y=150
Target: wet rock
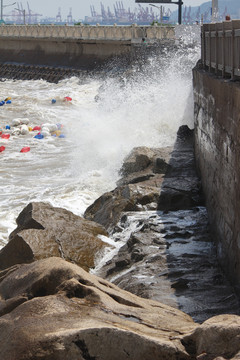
x=143 y=164
x=45 y=231
x=35 y=72
x=108 y=209
x=17 y=251
x=138 y=190
x=61 y=312
x=181 y=188
x=139 y=159
x=180 y=284
x=163 y=179
x=176 y=267
x=170 y=256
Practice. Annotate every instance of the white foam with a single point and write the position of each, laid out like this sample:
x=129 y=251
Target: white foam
x=72 y=172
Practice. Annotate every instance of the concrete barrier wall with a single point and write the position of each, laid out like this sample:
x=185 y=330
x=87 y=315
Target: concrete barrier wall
x=61 y=52
x=74 y=46
x=217 y=146
x=85 y=32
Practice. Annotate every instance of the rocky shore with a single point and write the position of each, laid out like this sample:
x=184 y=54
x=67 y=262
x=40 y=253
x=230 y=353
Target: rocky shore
x=66 y=292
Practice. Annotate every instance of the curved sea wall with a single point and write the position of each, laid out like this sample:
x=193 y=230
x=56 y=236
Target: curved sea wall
x=217 y=147
x=74 y=46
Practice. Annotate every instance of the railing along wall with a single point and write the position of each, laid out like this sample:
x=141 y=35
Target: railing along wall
x=86 y=32
x=221 y=48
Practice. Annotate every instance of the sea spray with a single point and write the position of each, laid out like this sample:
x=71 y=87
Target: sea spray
x=106 y=118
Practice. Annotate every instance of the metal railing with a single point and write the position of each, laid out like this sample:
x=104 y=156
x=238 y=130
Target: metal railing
x=220 y=46
x=86 y=32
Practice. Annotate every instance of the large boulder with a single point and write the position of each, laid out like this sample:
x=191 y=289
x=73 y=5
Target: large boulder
x=51 y=309
x=218 y=336
x=143 y=173
x=142 y=158
x=108 y=208
x=152 y=179
x=48 y=231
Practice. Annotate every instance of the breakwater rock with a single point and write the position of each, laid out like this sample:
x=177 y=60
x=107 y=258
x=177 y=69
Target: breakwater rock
x=158 y=220
x=44 y=231
x=51 y=309
x=36 y=72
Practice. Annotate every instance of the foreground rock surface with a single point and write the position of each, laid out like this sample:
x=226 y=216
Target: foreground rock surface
x=51 y=309
x=44 y=231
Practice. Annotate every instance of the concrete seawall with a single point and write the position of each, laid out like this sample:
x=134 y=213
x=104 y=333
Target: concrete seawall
x=217 y=147
x=74 y=46
x=61 y=52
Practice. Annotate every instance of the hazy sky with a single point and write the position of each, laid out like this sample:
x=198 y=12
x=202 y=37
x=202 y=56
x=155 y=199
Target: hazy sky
x=80 y=8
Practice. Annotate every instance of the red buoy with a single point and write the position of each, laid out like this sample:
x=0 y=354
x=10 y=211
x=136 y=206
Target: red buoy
x=25 y=149
x=2 y=148
x=68 y=98
x=5 y=136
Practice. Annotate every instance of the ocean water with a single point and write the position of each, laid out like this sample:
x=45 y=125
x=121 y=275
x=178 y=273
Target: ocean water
x=106 y=118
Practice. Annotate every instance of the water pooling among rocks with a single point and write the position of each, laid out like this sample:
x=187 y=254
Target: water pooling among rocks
x=166 y=254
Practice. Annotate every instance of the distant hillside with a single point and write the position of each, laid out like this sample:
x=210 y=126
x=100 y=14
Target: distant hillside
x=193 y=14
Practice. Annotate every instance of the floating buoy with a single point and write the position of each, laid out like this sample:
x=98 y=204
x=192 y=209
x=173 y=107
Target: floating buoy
x=2 y=148
x=16 y=131
x=8 y=98
x=54 y=101
x=45 y=133
x=8 y=102
x=36 y=128
x=15 y=122
x=1 y=104
x=24 y=121
x=57 y=133
x=68 y=98
x=25 y=149
x=61 y=136
x=5 y=136
x=8 y=127
x=30 y=128
x=39 y=136
x=49 y=127
x=24 y=129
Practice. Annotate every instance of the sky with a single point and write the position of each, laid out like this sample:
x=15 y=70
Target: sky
x=80 y=8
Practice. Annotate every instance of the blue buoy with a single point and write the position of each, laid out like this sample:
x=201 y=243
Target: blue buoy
x=61 y=136
x=8 y=127
x=8 y=102
x=53 y=101
x=38 y=136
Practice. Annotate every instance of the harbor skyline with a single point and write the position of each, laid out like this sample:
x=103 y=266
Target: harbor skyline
x=78 y=9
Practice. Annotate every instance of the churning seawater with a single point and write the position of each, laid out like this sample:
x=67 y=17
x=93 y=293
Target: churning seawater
x=106 y=118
